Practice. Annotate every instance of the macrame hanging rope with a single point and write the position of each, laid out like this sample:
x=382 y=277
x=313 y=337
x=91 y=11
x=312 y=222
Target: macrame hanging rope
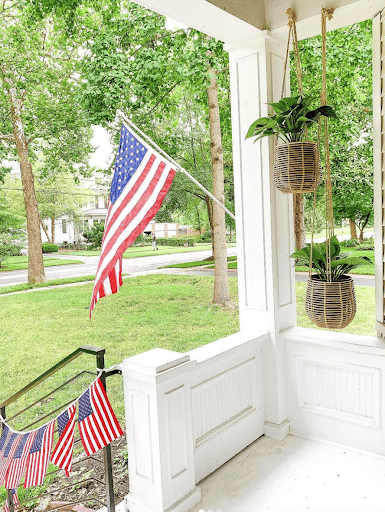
x=329 y=228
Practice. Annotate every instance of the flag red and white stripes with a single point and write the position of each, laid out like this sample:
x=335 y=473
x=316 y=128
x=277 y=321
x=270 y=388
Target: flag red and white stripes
x=19 y=461
x=98 y=425
x=142 y=178
x=62 y=455
x=39 y=455
x=10 y=448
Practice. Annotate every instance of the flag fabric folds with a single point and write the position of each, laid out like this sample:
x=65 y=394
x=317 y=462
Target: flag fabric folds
x=11 y=445
x=39 y=455
x=15 y=499
x=142 y=178
x=98 y=425
x=19 y=461
x=62 y=455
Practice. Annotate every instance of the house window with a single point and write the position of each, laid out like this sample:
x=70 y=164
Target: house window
x=96 y=202
x=64 y=225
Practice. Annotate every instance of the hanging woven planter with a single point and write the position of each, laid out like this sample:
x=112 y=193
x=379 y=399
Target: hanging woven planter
x=331 y=305
x=297 y=167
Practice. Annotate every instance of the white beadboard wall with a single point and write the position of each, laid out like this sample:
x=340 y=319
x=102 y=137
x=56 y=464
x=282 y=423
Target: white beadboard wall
x=335 y=388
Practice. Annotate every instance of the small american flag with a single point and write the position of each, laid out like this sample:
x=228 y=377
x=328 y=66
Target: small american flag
x=62 y=455
x=15 y=499
x=141 y=180
x=39 y=455
x=98 y=425
x=9 y=451
x=19 y=461
x=3 y=440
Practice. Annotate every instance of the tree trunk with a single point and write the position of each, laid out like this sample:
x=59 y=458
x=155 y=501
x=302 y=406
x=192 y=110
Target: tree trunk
x=221 y=283
x=353 y=229
x=299 y=221
x=53 y=230
x=35 y=253
x=210 y=214
x=363 y=226
x=45 y=231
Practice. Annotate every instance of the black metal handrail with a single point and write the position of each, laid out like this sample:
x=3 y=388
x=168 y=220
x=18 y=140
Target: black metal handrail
x=107 y=458
x=85 y=349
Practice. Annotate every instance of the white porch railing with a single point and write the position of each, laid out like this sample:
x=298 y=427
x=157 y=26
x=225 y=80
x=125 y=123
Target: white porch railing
x=186 y=415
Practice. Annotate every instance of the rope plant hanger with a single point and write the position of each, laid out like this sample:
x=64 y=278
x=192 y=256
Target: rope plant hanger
x=330 y=297
x=296 y=161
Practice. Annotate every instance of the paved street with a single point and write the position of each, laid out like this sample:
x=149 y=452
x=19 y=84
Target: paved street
x=144 y=265
x=131 y=266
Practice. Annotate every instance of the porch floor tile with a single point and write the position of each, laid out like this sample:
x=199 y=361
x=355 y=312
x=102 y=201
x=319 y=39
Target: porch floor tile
x=295 y=475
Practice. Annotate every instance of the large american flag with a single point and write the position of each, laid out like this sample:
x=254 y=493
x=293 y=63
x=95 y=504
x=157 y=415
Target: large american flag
x=10 y=447
x=62 y=455
x=39 y=455
x=98 y=425
x=19 y=461
x=141 y=180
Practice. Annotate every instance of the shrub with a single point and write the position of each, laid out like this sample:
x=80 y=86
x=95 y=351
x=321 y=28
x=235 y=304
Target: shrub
x=143 y=239
x=94 y=235
x=365 y=247
x=47 y=248
x=176 y=241
x=353 y=242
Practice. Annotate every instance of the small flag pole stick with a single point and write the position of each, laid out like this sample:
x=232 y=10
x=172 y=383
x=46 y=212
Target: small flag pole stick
x=179 y=168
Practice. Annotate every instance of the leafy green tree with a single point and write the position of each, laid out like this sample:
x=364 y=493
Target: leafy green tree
x=136 y=64
x=38 y=111
x=349 y=81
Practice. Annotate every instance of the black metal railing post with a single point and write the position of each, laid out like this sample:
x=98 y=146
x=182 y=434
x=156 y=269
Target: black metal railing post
x=9 y=491
x=107 y=456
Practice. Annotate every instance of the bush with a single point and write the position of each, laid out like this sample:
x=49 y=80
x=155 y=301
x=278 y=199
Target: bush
x=94 y=235
x=176 y=241
x=353 y=242
x=47 y=248
x=365 y=247
x=143 y=239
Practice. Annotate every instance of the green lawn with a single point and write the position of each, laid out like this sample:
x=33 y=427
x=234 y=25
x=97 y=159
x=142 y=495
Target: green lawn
x=363 y=322
x=21 y=262
x=172 y=312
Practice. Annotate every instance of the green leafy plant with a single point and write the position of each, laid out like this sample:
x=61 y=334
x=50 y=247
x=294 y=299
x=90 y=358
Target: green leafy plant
x=341 y=263
x=49 y=248
x=291 y=117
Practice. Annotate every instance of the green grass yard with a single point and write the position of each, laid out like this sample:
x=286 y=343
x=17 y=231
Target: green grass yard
x=166 y=311
x=21 y=262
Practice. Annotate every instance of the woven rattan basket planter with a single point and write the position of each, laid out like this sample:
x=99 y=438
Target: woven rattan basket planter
x=331 y=305
x=297 y=167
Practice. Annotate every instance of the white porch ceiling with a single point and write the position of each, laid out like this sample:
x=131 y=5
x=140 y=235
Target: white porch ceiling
x=239 y=21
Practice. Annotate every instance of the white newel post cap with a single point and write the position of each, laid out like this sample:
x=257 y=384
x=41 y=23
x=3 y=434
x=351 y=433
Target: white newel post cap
x=159 y=432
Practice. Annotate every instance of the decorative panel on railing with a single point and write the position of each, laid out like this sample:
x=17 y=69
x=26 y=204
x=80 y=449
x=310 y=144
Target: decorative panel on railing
x=222 y=400
x=342 y=391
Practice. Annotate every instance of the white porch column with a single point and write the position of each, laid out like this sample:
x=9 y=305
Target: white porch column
x=159 y=432
x=264 y=216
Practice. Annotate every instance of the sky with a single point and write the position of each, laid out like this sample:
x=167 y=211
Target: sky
x=104 y=153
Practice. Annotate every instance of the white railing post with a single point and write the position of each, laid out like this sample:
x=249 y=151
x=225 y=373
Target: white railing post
x=159 y=432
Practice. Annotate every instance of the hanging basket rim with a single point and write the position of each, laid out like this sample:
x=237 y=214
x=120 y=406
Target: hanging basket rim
x=296 y=142
x=343 y=279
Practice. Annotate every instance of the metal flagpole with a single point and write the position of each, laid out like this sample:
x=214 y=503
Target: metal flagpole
x=179 y=168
